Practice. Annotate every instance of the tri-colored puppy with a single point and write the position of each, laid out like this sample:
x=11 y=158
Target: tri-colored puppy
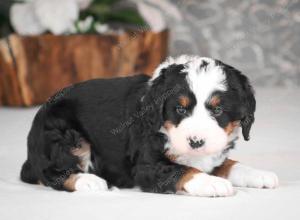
x=167 y=134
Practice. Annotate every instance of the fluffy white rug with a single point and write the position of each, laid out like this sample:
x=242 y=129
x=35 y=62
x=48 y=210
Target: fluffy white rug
x=275 y=145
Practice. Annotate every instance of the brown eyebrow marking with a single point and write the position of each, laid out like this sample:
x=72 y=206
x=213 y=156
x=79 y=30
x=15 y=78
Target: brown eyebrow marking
x=184 y=101
x=215 y=101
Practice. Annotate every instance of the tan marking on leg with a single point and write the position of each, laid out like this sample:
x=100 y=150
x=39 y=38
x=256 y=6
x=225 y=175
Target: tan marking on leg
x=83 y=153
x=187 y=176
x=184 y=101
x=69 y=183
x=224 y=169
x=230 y=127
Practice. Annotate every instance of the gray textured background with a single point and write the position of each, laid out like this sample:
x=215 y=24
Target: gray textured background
x=260 y=37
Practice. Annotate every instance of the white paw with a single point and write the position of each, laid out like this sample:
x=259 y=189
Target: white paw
x=90 y=183
x=203 y=184
x=245 y=176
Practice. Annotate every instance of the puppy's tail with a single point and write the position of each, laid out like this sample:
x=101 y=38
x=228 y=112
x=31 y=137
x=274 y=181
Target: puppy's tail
x=27 y=173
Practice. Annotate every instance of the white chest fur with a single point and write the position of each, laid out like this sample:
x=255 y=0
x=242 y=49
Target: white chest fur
x=203 y=163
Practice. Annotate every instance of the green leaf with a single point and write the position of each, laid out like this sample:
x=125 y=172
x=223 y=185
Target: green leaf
x=102 y=11
x=125 y=16
x=105 y=2
x=5 y=27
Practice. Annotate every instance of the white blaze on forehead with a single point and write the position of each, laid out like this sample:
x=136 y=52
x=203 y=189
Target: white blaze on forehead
x=203 y=81
x=183 y=59
x=198 y=80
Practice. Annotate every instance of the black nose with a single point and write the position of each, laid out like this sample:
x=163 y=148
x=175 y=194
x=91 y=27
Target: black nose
x=194 y=143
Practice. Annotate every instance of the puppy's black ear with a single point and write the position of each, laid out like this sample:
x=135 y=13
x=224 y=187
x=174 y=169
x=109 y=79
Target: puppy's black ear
x=159 y=89
x=248 y=106
x=239 y=84
x=152 y=105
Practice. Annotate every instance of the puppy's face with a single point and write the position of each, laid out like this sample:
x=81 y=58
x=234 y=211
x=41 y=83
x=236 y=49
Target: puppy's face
x=204 y=114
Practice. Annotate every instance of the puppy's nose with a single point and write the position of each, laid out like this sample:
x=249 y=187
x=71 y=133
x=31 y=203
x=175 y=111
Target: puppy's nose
x=195 y=143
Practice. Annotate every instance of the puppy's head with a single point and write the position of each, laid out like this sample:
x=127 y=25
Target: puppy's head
x=199 y=103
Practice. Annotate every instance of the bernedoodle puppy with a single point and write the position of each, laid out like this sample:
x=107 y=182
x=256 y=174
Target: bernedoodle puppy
x=171 y=133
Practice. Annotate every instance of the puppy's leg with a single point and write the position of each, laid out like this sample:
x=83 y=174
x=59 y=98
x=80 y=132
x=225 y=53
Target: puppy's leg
x=56 y=162
x=71 y=164
x=166 y=178
x=202 y=184
x=84 y=181
x=68 y=159
x=245 y=176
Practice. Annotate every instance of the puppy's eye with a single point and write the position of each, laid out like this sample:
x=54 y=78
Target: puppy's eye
x=217 y=111
x=180 y=110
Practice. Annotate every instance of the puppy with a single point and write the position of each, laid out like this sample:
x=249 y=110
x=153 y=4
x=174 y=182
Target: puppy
x=171 y=133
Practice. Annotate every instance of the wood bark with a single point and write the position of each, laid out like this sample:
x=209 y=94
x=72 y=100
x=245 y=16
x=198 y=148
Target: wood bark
x=32 y=68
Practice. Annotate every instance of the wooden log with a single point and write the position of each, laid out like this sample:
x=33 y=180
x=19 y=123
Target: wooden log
x=34 y=68
x=9 y=82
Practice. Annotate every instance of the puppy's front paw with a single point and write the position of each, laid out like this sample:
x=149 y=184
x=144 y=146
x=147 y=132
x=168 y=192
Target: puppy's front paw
x=244 y=176
x=211 y=186
x=89 y=182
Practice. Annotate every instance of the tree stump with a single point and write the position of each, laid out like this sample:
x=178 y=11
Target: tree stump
x=32 y=68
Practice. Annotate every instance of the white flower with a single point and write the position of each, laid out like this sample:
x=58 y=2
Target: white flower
x=101 y=28
x=58 y=16
x=85 y=25
x=24 y=20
